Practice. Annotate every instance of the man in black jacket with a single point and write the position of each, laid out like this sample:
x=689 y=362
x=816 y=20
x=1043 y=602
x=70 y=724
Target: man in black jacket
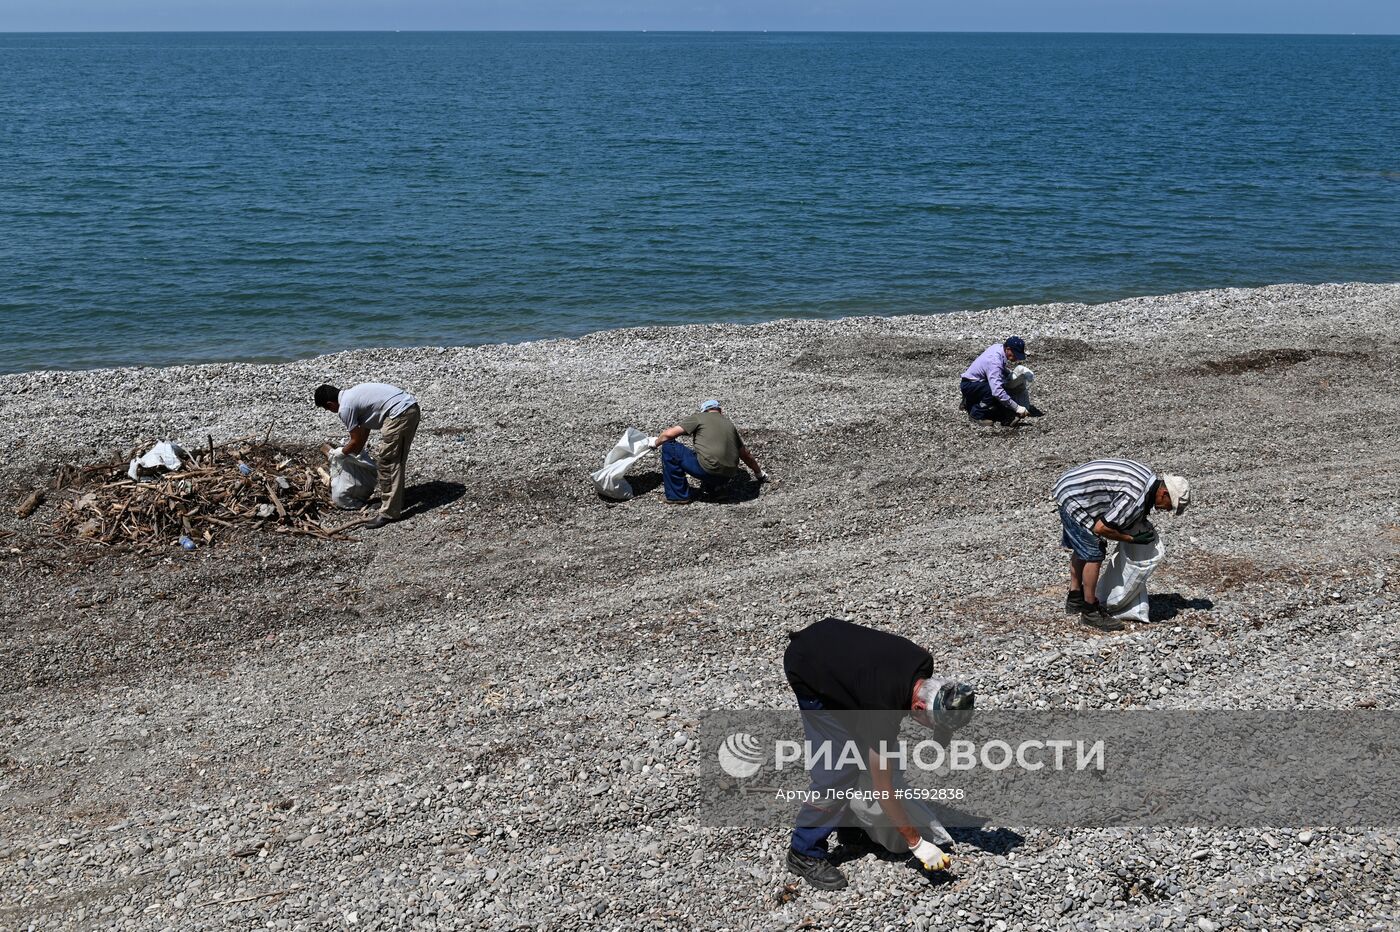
x=836 y=666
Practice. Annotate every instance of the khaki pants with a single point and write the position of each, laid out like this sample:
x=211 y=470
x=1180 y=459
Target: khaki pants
x=395 y=437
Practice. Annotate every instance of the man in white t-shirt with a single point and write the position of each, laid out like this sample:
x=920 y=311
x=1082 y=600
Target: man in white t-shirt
x=391 y=411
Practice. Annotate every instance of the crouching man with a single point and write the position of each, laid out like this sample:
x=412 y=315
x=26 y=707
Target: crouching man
x=991 y=389
x=1108 y=499
x=391 y=411
x=713 y=457
x=835 y=667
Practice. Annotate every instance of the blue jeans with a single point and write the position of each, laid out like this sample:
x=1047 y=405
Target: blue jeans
x=815 y=823
x=679 y=461
x=1086 y=545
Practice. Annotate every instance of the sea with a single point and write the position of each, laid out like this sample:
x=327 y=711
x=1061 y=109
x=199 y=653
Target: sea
x=192 y=197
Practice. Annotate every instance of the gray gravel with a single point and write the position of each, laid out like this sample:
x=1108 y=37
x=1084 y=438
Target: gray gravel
x=481 y=717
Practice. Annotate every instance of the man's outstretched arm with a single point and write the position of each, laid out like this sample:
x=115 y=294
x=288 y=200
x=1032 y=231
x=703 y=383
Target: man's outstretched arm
x=752 y=463
x=670 y=433
x=882 y=779
x=928 y=854
x=359 y=436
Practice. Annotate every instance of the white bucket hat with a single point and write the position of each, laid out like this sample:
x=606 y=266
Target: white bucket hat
x=1179 y=490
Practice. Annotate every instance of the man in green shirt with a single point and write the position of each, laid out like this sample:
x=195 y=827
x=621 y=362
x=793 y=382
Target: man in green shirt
x=718 y=449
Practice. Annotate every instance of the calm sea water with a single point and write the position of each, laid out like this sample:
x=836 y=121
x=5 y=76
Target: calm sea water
x=175 y=198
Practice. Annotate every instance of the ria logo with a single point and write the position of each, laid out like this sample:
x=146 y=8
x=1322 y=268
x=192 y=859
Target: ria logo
x=741 y=755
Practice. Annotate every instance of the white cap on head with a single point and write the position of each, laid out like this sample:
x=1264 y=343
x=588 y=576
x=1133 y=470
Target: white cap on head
x=1179 y=490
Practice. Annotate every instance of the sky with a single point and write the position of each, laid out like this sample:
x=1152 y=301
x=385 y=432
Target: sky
x=1267 y=16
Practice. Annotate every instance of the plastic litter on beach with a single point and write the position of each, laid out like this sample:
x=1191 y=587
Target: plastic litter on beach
x=161 y=458
x=195 y=496
x=353 y=478
x=611 y=480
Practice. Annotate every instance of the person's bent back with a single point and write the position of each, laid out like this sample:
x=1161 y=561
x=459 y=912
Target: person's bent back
x=395 y=414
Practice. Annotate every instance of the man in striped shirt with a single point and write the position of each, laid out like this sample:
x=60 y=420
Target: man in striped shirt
x=1109 y=499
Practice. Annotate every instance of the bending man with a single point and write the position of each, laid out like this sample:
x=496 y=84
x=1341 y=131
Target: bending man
x=854 y=686
x=718 y=449
x=1102 y=500
x=391 y=411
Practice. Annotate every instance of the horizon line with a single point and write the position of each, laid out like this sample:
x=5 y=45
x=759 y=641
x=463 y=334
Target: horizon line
x=686 y=31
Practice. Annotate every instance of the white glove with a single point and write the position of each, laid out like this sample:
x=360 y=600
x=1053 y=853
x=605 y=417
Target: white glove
x=1022 y=412
x=931 y=856
x=653 y=442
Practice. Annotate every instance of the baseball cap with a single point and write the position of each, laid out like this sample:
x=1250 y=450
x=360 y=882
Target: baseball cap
x=1017 y=347
x=708 y=404
x=1179 y=490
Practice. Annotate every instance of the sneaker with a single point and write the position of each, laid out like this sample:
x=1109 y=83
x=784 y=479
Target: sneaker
x=1074 y=602
x=1095 y=616
x=819 y=872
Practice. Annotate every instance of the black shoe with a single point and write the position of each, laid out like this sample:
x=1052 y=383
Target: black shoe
x=680 y=501
x=1095 y=616
x=819 y=872
x=378 y=521
x=1074 y=602
x=1033 y=411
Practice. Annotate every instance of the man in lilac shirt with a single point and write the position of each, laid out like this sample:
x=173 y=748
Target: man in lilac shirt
x=988 y=389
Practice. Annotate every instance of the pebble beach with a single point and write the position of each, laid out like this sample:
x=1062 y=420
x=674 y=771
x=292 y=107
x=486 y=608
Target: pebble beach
x=485 y=716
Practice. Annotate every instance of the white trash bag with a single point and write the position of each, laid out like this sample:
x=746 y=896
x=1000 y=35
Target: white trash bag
x=163 y=457
x=1122 y=588
x=353 y=478
x=1019 y=385
x=611 y=479
x=878 y=825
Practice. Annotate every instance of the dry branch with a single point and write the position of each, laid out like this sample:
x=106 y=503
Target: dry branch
x=31 y=501
x=209 y=493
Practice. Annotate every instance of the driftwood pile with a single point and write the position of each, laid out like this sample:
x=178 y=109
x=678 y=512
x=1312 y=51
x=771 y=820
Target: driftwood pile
x=244 y=483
